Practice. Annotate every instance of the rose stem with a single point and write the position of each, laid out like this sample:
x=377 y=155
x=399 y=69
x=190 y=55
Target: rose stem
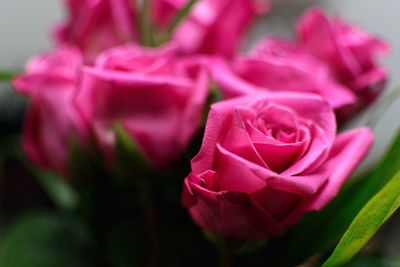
x=150 y=221
x=227 y=259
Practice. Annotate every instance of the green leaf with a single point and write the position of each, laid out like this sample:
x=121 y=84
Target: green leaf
x=181 y=15
x=146 y=28
x=45 y=240
x=367 y=223
x=59 y=191
x=6 y=76
x=129 y=158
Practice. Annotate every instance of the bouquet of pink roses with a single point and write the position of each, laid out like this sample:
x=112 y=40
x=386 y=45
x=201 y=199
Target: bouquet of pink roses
x=137 y=95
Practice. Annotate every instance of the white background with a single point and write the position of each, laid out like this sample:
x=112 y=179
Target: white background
x=25 y=27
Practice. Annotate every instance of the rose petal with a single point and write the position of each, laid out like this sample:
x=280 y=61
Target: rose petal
x=349 y=150
x=228 y=214
x=238 y=139
x=238 y=174
x=230 y=84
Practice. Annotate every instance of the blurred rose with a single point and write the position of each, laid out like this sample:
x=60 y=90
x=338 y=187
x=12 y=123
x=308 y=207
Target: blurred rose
x=279 y=65
x=349 y=52
x=266 y=159
x=211 y=27
x=52 y=121
x=94 y=25
x=156 y=96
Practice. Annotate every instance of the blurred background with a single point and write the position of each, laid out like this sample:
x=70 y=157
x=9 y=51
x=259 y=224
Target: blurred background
x=25 y=28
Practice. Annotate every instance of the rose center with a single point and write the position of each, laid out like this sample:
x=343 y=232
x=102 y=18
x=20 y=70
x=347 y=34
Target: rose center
x=280 y=132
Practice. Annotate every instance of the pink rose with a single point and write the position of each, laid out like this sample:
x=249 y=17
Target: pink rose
x=52 y=120
x=216 y=27
x=266 y=159
x=157 y=97
x=349 y=52
x=279 y=65
x=94 y=25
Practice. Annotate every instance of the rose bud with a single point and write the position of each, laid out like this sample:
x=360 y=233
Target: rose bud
x=266 y=159
x=211 y=27
x=94 y=25
x=157 y=97
x=49 y=82
x=349 y=52
x=279 y=65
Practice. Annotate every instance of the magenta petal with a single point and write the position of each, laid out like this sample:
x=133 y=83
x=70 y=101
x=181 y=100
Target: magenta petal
x=238 y=139
x=322 y=128
x=201 y=31
x=281 y=149
x=238 y=174
x=374 y=79
x=139 y=60
x=337 y=95
x=304 y=185
x=279 y=157
x=95 y=25
x=51 y=121
x=277 y=202
x=64 y=62
x=31 y=137
x=350 y=53
x=349 y=150
x=218 y=123
x=281 y=65
x=318 y=150
x=97 y=86
x=231 y=84
x=304 y=105
x=194 y=109
x=228 y=214
x=150 y=108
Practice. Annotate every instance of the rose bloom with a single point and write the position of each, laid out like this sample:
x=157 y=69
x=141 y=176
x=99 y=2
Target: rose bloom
x=156 y=96
x=49 y=82
x=211 y=27
x=279 y=65
x=94 y=25
x=349 y=52
x=266 y=159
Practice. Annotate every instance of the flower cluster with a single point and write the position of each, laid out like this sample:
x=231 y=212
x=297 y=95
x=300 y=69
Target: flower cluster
x=271 y=149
